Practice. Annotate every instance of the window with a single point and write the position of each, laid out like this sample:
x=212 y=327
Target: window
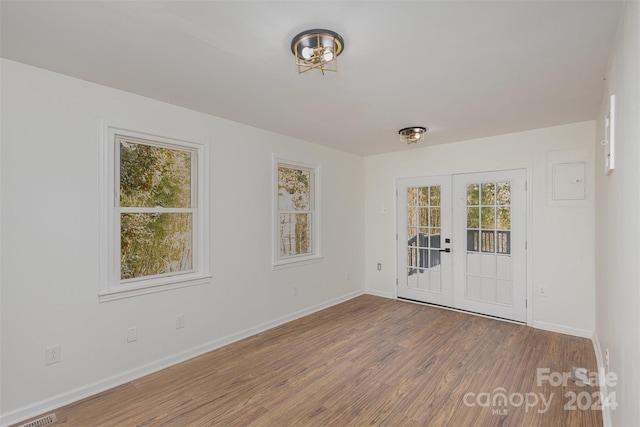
x=296 y=219
x=489 y=217
x=423 y=232
x=153 y=214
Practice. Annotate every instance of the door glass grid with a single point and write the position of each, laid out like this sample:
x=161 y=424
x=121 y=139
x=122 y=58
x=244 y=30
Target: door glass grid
x=489 y=242
x=423 y=238
x=489 y=217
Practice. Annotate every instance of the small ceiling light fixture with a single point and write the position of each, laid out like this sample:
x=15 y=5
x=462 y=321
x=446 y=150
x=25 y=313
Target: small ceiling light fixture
x=317 y=50
x=412 y=134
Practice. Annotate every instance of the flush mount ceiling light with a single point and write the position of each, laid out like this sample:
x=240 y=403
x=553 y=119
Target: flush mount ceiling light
x=412 y=135
x=317 y=50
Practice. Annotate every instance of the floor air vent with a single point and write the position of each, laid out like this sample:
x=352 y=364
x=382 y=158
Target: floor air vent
x=41 y=422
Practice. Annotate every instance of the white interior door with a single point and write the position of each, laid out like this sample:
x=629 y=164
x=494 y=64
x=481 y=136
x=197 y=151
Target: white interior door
x=461 y=242
x=424 y=233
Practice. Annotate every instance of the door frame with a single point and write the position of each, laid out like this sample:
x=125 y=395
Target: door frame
x=528 y=167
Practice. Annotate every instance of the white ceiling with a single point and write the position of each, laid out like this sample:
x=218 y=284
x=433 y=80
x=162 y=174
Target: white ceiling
x=464 y=69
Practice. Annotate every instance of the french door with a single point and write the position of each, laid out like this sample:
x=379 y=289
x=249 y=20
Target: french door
x=424 y=218
x=461 y=242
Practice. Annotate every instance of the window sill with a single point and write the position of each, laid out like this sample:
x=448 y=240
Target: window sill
x=150 y=288
x=296 y=262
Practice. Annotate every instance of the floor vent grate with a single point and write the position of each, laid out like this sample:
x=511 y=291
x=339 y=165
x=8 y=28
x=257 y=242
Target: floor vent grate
x=581 y=377
x=41 y=422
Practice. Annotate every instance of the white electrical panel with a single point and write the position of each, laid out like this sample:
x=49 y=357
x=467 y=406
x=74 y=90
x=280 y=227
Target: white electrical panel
x=568 y=181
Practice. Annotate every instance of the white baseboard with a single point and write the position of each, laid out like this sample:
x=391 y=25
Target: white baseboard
x=79 y=393
x=561 y=329
x=379 y=293
x=606 y=410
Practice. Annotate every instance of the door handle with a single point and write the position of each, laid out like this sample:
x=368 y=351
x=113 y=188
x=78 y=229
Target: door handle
x=447 y=250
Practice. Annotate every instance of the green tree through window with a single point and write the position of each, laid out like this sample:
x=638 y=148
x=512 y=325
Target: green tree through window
x=156 y=217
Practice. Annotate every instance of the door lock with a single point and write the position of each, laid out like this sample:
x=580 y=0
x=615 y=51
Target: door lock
x=447 y=250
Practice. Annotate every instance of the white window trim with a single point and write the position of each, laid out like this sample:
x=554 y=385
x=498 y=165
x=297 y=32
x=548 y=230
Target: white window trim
x=316 y=255
x=110 y=285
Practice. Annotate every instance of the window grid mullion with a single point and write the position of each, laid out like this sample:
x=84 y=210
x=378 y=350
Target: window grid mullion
x=142 y=209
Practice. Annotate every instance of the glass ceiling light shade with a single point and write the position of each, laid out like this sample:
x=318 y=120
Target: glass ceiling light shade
x=412 y=135
x=317 y=50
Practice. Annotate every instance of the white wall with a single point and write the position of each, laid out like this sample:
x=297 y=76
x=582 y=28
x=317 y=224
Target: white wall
x=50 y=238
x=617 y=224
x=561 y=238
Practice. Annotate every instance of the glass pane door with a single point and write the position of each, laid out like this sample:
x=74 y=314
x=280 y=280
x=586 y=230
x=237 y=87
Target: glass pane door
x=424 y=208
x=461 y=242
x=424 y=238
x=489 y=233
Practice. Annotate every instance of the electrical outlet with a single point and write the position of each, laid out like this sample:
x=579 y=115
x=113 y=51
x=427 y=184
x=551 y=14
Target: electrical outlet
x=346 y=276
x=52 y=355
x=295 y=291
x=542 y=291
x=180 y=321
x=132 y=334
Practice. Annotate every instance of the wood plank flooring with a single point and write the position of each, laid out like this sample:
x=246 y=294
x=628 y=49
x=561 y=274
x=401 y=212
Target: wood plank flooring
x=368 y=361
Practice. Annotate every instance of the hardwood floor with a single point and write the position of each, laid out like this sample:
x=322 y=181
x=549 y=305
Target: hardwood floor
x=368 y=361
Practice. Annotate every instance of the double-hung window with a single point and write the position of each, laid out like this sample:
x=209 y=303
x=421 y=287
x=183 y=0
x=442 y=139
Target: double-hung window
x=296 y=218
x=154 y=215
